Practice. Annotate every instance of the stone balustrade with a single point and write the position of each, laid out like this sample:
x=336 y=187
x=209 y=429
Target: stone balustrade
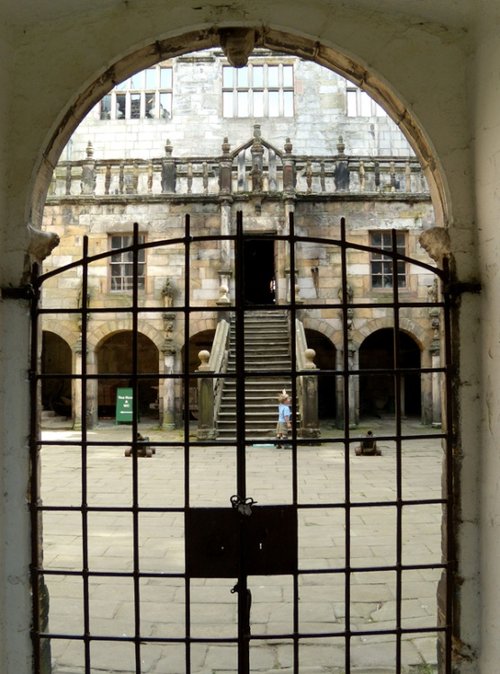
x=254 y=167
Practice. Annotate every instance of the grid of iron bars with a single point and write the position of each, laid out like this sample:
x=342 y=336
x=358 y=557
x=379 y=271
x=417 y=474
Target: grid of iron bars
x=440 y=629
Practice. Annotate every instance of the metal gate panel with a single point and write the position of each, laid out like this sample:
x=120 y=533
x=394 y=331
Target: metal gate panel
x=245 y=568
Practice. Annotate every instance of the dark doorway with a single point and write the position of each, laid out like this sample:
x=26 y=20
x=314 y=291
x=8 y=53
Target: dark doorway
x=259 y=277
x=377 y=390
x=56 y=360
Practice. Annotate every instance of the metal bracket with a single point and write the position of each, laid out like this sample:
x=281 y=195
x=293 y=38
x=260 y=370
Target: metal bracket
x=460 y=287
x=26 y=292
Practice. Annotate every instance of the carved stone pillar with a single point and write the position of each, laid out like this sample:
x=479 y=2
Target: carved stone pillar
x=87 y=184
x=226 y=257
x=308 y=386
x=166 y=391
x=257 y=152
x=76 y=388
x=225 y=171
x=353 y=397
x=168 y=171
x=206 y=400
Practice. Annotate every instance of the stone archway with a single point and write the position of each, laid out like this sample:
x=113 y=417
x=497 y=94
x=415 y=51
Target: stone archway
x=114 y=357
x=377 y=390
x=56 y=360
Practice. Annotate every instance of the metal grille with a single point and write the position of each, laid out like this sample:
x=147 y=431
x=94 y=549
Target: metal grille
x=264 y=563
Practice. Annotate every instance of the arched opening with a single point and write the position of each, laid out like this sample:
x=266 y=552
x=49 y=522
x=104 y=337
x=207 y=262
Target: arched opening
x=114 y=357
x=377 y=395
x=56 y=360
x=203 y=458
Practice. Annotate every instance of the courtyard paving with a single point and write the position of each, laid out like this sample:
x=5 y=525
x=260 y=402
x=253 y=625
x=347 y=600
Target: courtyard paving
x=321 y=616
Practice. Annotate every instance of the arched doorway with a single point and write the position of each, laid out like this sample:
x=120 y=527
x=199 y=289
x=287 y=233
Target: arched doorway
x=114 y=357
x=284 y=525
x=377 y=395
x=56 y=360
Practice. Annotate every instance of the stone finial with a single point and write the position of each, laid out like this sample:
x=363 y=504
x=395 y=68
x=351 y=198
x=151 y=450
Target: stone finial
x=341 y=145
x=226 y=147
x=168 y=148
x=288 y=146
x=436 y=242
x=237 y=45
x=256 y=131
x=41 y=244
x=310 y=355
x=90 y=150
x=204 y=357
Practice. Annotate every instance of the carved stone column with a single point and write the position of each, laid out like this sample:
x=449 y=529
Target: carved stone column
x=87 y=184
x=206 y=401
x=166 y=390
x=308 y=385
x=168 y=171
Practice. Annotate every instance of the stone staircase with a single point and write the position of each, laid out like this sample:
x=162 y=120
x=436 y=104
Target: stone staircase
x=267 y=348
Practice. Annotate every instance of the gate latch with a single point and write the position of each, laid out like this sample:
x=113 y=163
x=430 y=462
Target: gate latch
x=243 y=506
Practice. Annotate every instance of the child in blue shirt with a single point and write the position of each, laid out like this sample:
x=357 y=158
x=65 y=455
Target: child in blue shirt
x=284 y=422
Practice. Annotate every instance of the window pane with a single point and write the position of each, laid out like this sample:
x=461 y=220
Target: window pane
x=258 y=104
x=227 y=104
x=120 y=106
x=288 y=103
x=165 y=106
x=273 y=76
x=105 y=112
x=135 y=106
x=227 y=77
x=242 y=103
x=274 y=104
x=242 y=75
x=123 y=86
x=352 y=108
x=165 y=78
x=288 y=76
x=137 y=81
x=151 y=78
x=150 y=104
x=380 y=112
x=376 y=240
x=258 y=77
x=365 y=104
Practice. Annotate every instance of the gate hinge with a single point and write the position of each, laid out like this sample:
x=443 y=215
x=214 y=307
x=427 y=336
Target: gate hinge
x=26 y=292
x=461 y=287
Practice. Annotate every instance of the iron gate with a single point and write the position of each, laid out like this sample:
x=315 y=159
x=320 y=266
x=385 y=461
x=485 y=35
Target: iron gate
x=247 y=557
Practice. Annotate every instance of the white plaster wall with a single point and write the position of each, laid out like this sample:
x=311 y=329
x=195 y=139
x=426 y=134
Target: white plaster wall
x=487 y=162
x=426 y=65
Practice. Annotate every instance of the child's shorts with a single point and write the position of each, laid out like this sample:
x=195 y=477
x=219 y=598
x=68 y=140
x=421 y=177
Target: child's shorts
x=281 y=428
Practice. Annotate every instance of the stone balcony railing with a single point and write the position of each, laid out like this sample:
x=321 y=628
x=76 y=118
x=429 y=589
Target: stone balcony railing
x=255 y=166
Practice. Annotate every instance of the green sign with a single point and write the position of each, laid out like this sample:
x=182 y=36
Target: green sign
x=124 y=405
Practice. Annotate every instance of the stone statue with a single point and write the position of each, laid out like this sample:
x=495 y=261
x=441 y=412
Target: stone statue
x=237 y=45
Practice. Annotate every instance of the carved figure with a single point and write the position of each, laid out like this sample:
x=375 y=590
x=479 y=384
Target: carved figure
x=41 y=244
x=237 y=45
